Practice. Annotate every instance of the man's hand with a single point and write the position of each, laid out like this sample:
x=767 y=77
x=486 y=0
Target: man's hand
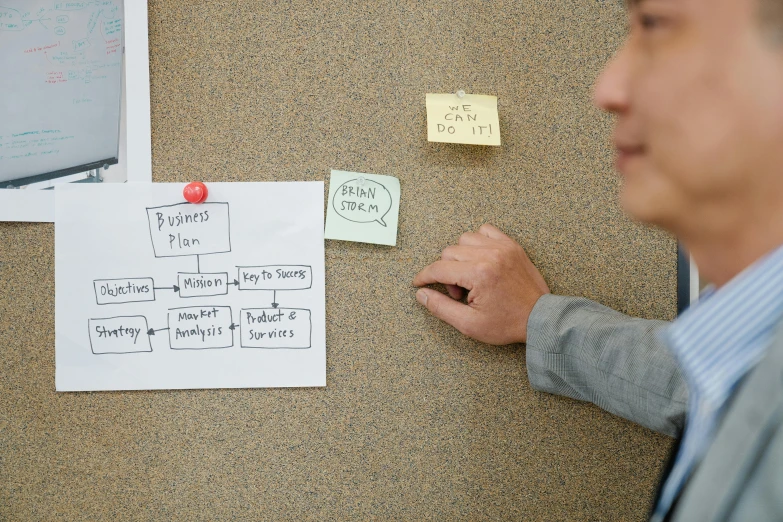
x=502 y=284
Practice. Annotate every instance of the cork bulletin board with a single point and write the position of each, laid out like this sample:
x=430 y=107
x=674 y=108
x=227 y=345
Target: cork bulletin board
x=416 y=421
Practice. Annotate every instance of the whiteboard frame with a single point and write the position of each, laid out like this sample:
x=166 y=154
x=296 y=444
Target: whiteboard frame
x=38 y=205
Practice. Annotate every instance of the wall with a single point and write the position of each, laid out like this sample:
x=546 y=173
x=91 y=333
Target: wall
x=416 y=421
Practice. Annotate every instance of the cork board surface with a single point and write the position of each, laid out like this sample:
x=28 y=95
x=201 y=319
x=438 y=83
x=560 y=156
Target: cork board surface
x=417 y=422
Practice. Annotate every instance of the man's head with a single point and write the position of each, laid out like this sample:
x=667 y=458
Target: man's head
x=697 y=90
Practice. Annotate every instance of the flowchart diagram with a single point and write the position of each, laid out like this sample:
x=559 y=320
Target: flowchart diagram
x=199 y=316
x=155 y=293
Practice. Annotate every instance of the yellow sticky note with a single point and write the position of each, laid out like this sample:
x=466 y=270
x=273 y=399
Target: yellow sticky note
x=472 y=119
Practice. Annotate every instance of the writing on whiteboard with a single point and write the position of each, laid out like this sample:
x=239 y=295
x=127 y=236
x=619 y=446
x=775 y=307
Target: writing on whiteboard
x=66 y=62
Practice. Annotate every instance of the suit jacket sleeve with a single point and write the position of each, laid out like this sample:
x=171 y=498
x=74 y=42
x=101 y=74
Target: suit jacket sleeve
x=581 y=349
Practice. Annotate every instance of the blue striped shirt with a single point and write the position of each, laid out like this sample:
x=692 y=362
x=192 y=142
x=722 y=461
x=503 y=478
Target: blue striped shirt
x=717 y=341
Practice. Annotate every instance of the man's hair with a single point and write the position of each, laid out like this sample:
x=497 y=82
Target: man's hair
x=771 y=13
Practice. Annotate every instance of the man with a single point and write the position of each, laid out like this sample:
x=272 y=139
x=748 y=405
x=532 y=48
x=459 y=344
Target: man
x=697 y=91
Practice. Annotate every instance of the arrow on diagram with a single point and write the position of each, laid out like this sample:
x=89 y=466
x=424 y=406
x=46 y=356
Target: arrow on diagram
x=152 y=332
x=274 y=295
x=235 y=283
x=233 y=326
x=175 y=288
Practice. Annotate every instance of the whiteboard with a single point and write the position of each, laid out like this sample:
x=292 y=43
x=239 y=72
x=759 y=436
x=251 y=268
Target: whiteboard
x=61 y=73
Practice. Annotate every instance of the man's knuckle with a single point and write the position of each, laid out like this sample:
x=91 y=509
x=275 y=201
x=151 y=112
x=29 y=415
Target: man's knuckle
x=484 y=270
x=517 y=249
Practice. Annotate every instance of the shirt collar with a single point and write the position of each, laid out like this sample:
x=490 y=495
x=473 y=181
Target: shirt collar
x=723 y=336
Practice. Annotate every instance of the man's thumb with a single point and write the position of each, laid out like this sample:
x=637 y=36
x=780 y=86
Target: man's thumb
x=445 y=308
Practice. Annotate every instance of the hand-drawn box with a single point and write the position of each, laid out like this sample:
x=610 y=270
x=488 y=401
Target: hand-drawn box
x=119 y=335
x=275 y=328
x=275 y=277
x=185 y=229
x=202 y=284
x=201 y=328
x=130 y=290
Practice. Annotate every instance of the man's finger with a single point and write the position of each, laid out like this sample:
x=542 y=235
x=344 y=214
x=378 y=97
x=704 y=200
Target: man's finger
x=469 y=239
x=460 y=253
x=492 y=232
x=446 y=272
x=455 y=292
x=446 y=309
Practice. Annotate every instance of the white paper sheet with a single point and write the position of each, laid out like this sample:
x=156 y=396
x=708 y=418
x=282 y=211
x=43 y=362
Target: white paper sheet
x=156 y=293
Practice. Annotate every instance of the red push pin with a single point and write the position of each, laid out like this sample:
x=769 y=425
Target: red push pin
x=195 y=192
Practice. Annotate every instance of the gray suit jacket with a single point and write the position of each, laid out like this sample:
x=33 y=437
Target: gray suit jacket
x=586 y=351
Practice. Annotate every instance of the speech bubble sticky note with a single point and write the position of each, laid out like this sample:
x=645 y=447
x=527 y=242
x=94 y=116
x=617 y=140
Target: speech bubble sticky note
x=363 y=208
x=471 y=119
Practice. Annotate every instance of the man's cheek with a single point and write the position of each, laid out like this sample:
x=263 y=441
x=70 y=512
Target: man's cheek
x=707 y=151
x=647 y=193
